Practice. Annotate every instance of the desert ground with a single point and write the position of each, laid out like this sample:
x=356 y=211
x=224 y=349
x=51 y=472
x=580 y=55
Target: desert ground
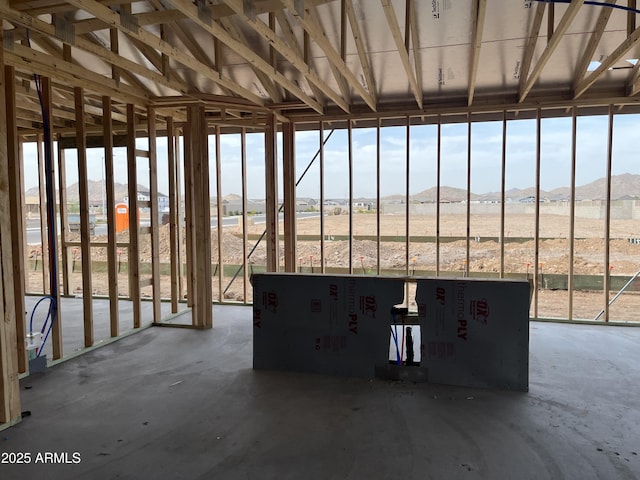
x=484 y=254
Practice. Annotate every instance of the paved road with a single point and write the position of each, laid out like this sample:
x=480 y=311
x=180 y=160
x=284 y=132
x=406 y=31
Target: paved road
x=33 y=225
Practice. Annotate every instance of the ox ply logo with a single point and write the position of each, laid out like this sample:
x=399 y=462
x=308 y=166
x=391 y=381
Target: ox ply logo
x=270 y=301
x=479 y=310
x=368 y=305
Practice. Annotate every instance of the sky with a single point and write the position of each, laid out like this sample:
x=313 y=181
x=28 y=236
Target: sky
x=486 y=158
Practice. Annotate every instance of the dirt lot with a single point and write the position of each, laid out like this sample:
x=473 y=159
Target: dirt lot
x=519 y=257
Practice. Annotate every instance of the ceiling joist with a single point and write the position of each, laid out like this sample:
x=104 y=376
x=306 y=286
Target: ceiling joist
x=191 y=12
x=113 y=19
x=592 y=45
x=615 y=56
x=554 y=41
x=308 y=62
x=392 y=21
x=290 y=39
x=333 y=56
x=479 y=10
x=362 y=54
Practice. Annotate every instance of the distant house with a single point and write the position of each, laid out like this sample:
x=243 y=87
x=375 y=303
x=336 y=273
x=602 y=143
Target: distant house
x=145 y=195
x=305 y=204
x=364 y=205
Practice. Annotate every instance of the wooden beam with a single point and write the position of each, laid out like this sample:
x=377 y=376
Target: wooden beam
x=42 y=205
x=350 y=195
x=112 y=249
x=219 y=215
x=132 y=183
x=191 y=12
x=271 y=193
x=39 y=7
x=245 y=233
x=56 y=331
x=16 y=201
x=155 y=213
x=10 y=412
x=378 y=163
x=174 y=224
x=415 y=42
x=114 y=21
x=315 y=31
x=503 y=182
x=536 y=233
x=322 y=197
x=362 y=55
x=343 y=86
x=558 y=35
x=477 y=27
x=592 y=44
x=202 y=314
x=615 y=56
x=289 y=180
x=407 y=211
x=196 y=50
x=290 y=39
x=438 y=192
x=121 y=65
x=74 y=75
x=265 y=80
x=64 y=218
x=189 y=215
x=85 y=249
x=392 y=21
x=532 y=41
x=23 y=227
x=633 y=85
x=157 y=17
x=607 y=216
x=468 y=201
x=179 y=212
x=572 y=209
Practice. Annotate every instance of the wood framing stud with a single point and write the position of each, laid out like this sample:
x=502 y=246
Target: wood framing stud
x=85 y=249
x=289 y=179
x=134 y=220
x=112 y=249
x=155 y=214
x=15 y=202
x=271 y=193
x=9 y=386
x=202 y=308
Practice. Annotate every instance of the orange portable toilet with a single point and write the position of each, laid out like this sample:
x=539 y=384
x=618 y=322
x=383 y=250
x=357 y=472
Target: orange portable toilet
x=122 y=217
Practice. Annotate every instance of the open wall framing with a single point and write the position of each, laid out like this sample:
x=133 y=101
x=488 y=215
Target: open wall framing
x=135 y=84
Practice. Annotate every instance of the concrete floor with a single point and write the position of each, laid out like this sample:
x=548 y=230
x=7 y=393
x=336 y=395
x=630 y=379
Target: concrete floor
x=181 y=404
x=71 y=318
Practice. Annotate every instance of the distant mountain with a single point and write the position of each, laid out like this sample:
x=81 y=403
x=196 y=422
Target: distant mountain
x=447 y=194
x=95 y=188
x=623 y=185
x=626 y=185
x=232 y=198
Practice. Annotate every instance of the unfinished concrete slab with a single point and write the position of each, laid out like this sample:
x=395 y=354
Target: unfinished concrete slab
x=71 y=318
x=178 y=403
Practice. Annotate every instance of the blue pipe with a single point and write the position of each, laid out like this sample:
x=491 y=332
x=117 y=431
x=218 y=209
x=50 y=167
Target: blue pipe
x=395 y=340
x=595 y=3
